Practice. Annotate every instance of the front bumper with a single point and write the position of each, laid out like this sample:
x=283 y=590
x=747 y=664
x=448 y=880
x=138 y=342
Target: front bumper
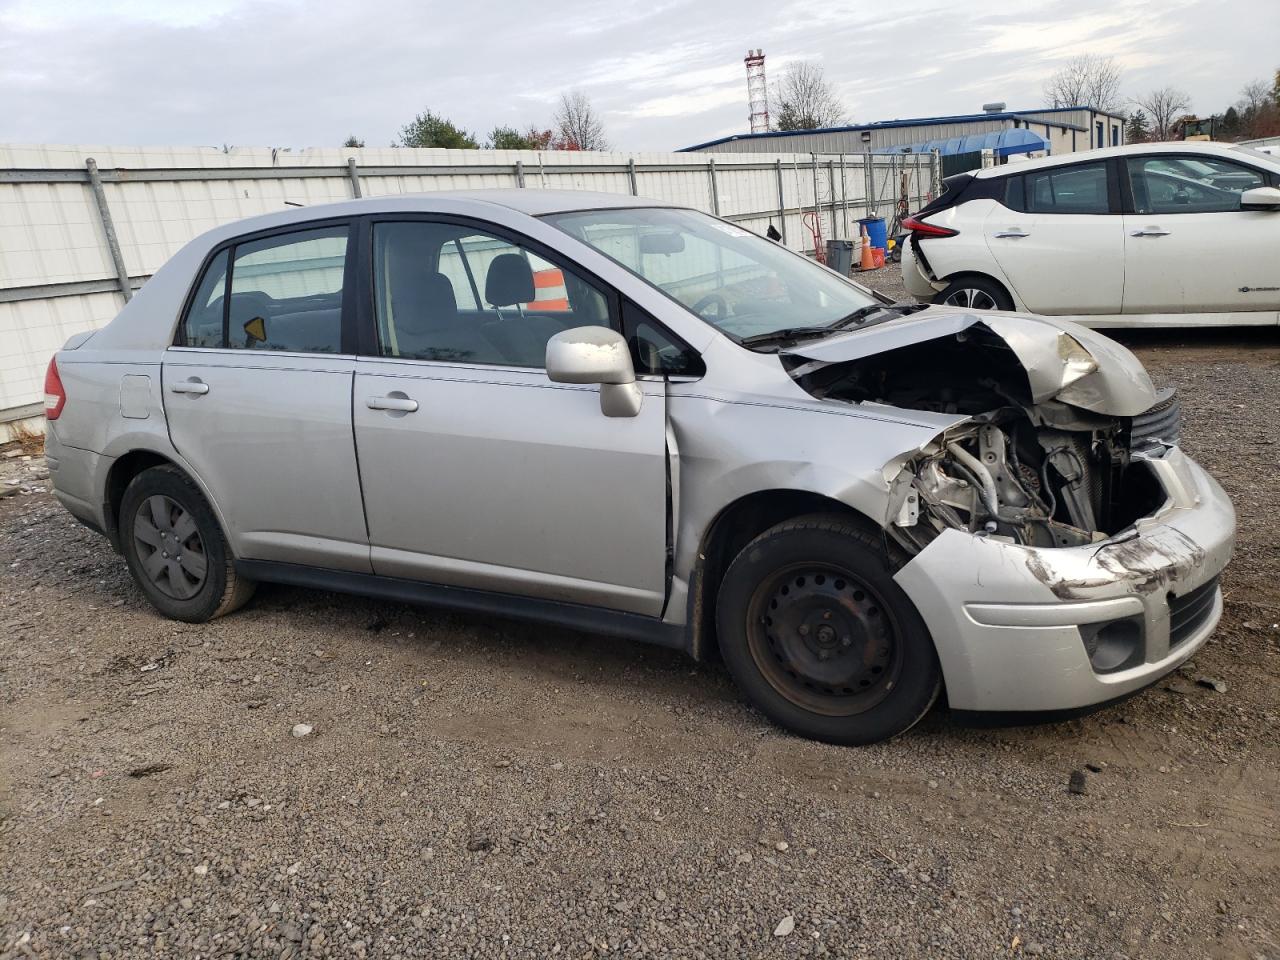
x=1009 y=622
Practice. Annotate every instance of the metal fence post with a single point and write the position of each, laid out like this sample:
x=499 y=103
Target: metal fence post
x=355 y=177
x=519 y=173
x=715 y=195
x=831 y=192
x=817 y=206
x=868 y=184
x=844 y=198
x=782 y=201
x=631 y=174
x=108 y=228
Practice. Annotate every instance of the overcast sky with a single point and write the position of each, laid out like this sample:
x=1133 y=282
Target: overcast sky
x=664 y=73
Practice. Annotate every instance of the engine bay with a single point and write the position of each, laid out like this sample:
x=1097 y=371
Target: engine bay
x=1042 y=474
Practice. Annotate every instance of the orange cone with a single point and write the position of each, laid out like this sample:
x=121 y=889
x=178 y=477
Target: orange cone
x=868 y=261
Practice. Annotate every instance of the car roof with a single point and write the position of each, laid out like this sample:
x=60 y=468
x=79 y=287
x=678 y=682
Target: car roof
x=533 y=202
x=1203 y=147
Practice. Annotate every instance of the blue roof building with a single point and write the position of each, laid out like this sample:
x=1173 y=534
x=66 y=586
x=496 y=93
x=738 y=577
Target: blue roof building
x=1053 y=130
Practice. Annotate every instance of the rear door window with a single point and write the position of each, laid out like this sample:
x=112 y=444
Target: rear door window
x=281 y=293
x=1074 y=189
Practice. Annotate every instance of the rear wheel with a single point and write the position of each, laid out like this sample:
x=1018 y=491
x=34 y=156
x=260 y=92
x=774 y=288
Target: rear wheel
x=818 y=635
x=975 y=293
x=175 y=548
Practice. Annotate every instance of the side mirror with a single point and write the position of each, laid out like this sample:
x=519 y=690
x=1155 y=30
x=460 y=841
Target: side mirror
x=597 y=355
x=1260 y=198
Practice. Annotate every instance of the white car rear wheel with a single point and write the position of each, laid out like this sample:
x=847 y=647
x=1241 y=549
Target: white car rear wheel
x=975 y=293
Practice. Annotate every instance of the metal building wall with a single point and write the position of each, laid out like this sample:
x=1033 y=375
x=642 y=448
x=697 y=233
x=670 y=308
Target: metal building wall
x=58 y=274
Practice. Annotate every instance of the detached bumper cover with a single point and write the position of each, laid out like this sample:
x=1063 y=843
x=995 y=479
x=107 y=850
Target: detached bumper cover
x=913 y=275
x=1006 y=618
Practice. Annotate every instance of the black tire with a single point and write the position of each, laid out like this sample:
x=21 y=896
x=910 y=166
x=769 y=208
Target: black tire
x=175 y=548
x=819 y=637
x=975 y=293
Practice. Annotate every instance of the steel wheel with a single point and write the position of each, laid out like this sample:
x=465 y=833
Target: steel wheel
x=971 y=299
x=169 y=547
x=824 y=639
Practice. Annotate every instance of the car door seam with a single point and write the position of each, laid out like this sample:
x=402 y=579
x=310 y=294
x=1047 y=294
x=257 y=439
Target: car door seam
x=355 y=452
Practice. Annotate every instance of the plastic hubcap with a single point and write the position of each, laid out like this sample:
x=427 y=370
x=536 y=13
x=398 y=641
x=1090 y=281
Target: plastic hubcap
x=169 y=547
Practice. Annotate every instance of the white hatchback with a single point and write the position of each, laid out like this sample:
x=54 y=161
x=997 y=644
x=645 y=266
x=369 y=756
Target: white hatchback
x=1167 y=234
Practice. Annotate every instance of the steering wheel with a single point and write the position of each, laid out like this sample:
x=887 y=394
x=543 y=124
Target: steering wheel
x=712 y=299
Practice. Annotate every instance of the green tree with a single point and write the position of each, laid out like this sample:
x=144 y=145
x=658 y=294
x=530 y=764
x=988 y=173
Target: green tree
x=1229 y=126
x=509 y=138
x=431 y=130
x=353 y=141
x=1136 y=129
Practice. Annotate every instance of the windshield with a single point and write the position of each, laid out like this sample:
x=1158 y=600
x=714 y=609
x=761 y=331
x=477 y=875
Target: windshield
x=736 y=281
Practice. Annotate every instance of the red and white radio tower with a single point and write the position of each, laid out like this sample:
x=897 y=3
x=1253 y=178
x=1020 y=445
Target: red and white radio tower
x=757 y=92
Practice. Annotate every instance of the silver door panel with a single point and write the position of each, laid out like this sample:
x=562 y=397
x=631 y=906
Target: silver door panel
x=271 y=440
x=502 y=480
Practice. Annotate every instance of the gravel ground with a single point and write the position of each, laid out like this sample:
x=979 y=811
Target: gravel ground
x=477 y=787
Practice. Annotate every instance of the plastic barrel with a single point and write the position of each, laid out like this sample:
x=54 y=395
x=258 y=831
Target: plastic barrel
x=876 y=231
x=840 y=256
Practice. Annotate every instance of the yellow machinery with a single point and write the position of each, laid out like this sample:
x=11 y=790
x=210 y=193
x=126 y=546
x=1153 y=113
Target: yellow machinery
x=1196 y=128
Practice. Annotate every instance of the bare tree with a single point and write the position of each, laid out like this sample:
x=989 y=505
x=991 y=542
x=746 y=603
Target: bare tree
x=804 y=100
x=1254 y=96
x=1086 y=80
x=578 y=126
x=1165 y=107
x=1258 y=109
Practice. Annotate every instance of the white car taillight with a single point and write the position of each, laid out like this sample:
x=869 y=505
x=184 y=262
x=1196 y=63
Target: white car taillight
x=922 y=228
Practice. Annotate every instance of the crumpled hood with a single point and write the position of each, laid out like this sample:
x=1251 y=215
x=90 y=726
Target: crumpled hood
x=1056 y=354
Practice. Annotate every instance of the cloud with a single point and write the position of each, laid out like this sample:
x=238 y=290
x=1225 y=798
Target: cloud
x=664 y=73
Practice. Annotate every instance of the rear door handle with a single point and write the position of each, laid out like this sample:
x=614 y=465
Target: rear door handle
x=197 y=387
x=401 y=404
x=1149 y=232
x=1012 y=234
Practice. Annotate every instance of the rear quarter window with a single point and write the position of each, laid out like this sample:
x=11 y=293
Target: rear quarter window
x=1014 y=194
x=282 y=292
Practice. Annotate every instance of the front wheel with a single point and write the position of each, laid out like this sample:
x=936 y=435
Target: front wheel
x=175 y=548
x=820 y=638
x=975 y=293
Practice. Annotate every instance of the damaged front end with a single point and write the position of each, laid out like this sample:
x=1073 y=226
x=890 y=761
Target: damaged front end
x=1062 y=550
x=1054 y=418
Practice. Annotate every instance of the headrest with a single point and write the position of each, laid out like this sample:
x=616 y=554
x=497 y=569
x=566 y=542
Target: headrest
x=422 y=301
x=510 y=281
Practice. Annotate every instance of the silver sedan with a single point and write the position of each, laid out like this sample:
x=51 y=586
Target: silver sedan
x=640 y=421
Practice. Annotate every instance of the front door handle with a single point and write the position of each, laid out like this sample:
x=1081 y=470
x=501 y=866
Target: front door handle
x=198 y=387
x=402 y=404
x=1013 y=233
x=1149 y=232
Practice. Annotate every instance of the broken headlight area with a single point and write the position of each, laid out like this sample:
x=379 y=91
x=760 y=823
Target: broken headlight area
x=1023 y=467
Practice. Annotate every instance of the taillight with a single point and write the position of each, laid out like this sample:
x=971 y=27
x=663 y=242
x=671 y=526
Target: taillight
x=55 y=397
x=922 y=229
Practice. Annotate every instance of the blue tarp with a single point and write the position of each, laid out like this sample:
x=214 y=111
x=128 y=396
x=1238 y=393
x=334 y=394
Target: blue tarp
x=1001 y=142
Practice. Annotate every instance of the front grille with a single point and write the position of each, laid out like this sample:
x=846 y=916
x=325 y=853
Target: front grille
x=1189 y=612
x=1162 y=423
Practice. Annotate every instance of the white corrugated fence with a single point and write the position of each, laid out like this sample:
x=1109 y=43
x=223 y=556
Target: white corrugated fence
x=79 y=225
